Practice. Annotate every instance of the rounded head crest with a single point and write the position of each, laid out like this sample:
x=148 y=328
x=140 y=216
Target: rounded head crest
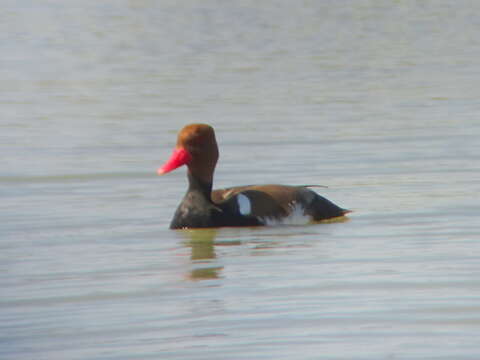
x=194 y=135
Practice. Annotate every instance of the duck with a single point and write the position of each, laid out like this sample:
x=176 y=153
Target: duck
x=247 y=205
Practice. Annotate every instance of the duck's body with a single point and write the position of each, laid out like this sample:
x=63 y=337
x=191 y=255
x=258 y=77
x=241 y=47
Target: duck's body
x=251 y=205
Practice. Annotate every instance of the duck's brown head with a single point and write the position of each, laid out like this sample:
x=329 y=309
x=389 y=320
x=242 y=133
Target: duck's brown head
x=197 y=148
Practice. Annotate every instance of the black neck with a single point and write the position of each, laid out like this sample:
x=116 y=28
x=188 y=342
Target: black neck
x=195 y=184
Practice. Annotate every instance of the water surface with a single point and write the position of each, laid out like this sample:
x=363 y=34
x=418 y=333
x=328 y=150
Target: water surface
x=377 y=101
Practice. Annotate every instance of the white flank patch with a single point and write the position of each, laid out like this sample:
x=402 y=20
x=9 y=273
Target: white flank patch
x=244 y=205
x=296 y=217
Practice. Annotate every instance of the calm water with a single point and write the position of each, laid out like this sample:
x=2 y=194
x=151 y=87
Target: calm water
x=377 y=100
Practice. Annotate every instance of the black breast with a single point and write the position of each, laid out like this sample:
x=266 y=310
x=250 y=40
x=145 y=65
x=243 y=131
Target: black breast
x=196 y=211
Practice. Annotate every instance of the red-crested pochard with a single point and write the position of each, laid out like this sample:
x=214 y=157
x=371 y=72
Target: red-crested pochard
x=250 y=205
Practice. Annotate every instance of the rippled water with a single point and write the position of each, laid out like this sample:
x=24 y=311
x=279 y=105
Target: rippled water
x=379 y=101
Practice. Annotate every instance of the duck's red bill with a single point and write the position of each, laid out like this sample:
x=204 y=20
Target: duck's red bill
x=179 y=157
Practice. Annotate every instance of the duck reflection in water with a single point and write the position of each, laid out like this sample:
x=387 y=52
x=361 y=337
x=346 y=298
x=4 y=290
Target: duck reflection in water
x=202 y=244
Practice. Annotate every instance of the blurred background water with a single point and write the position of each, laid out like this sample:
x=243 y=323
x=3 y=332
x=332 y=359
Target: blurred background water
x=377 y=100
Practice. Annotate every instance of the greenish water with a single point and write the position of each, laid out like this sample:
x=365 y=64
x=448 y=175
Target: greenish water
x=379 y=101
